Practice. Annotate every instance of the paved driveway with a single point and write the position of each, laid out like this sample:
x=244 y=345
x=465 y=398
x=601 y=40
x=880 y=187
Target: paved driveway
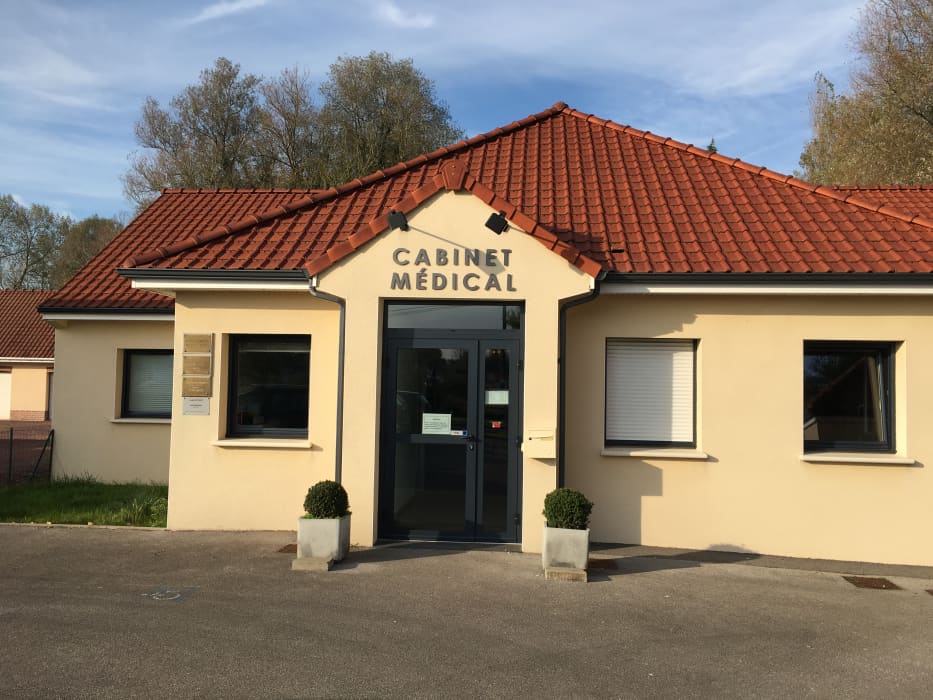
x=130 y=613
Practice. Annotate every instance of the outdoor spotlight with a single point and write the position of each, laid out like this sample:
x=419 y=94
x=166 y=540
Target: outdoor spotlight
x=398 y=220
x=497 y=223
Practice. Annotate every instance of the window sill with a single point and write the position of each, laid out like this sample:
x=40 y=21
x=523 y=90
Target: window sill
x=265 y=443
x=655 y=453
x=856 y=458
x=157 y=421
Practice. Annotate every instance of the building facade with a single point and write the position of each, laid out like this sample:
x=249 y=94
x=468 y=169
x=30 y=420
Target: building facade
x=719 y=356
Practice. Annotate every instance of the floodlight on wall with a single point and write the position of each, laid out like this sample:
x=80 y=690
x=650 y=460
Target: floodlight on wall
x=398 y=219
x=497 y=223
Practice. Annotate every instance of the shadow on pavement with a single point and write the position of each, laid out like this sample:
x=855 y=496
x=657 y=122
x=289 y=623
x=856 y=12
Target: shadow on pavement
x=401 y=551
x=604 y=566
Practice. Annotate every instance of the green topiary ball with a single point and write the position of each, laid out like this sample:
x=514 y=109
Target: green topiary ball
x=327 y=499
x=568 y=509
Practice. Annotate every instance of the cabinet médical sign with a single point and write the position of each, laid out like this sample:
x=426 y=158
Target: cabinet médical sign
x=468 y=269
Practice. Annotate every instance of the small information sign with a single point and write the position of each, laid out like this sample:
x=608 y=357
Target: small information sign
x=196 y=406
x=435 y=424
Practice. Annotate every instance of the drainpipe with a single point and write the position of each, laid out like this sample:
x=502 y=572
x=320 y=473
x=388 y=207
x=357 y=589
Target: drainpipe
x=342 y=303
x=562 y=365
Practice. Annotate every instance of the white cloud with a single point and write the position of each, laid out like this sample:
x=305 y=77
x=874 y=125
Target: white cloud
x=224 y=8
x=393 y=14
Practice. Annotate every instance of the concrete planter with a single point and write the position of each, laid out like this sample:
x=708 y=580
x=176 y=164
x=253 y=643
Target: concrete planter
x=565 y=548
x=324 y=538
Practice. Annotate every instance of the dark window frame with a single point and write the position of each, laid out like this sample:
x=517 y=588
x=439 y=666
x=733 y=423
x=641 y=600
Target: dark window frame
x=125 y=411
x=885 y=352
x=239 y=431
x=682 y=444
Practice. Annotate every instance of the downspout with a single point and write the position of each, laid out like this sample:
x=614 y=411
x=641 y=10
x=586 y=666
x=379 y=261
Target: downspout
x=562 y=369
x=342 y=303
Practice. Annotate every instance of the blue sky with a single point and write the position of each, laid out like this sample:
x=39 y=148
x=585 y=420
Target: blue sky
x=73 y=75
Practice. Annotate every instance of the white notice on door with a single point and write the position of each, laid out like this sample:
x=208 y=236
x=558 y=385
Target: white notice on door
x=435 y=424
x=497 y=397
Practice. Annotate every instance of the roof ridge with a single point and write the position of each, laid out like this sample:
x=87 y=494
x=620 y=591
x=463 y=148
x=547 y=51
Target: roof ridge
x=885 y=188
x=453 y=177
x=325 y=195
x=237 y=190
x=822 y=190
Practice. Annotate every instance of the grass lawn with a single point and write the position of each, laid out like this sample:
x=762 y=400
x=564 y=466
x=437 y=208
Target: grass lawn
x=84 y=500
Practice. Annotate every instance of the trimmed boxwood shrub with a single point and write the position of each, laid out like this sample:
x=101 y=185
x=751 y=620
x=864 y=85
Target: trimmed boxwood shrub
x=327 y=499
x=568 y=509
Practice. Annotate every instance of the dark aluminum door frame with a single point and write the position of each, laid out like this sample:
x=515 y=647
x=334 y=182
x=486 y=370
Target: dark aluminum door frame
x=476 y=343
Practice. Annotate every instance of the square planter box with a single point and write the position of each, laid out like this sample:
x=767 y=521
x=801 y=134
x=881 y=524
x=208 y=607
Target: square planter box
x=565 y=548
x=324 y=538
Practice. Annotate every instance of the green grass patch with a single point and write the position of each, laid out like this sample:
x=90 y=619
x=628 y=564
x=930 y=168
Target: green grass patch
x=84 y=500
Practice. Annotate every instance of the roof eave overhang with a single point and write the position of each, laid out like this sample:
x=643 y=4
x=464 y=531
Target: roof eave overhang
x=28 y=360
x=170 y=281
x=742 y=283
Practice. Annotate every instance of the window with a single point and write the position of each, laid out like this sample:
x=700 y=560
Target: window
x=269 y=385
x=848 y=396
x=147 y=384
x=650 y=392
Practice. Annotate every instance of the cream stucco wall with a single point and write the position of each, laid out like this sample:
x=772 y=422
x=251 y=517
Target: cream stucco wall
x=754 y=492
x=540 y=279
x=29 y=390
x=90 y=436
x=237 y=484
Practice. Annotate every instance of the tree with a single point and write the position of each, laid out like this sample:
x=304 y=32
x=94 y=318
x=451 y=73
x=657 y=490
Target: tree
x=205 y=139
x=81 y=241
x=377 y=112
x=881 y=131
x=234 y=130
x=29 y=238
x=288 y=142
x=41 y=250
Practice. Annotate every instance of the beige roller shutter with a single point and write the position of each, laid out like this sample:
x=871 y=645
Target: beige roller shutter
x=650 y=391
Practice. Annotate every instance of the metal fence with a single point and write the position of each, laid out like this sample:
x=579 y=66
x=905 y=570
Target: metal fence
x=25 y=454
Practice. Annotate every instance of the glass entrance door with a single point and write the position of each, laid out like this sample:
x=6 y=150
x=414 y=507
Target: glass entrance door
x=450 y=439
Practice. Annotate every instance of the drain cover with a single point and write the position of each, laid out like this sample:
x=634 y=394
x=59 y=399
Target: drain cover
x=872 y=582
x=289 y=549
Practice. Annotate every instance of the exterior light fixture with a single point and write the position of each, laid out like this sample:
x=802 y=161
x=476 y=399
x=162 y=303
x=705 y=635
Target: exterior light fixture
x=497 y=223
x=398 y=220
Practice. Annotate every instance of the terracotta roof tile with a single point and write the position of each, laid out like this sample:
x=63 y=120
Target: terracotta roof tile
x=23 y=333
x=622 y=199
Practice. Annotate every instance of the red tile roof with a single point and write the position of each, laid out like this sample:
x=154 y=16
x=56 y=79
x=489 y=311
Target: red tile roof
x=175 y=216
x=600 y=193
x=23 y=333
x=910 y=199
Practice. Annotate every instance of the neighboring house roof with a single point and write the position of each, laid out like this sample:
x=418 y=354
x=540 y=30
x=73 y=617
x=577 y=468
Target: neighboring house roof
x=603 y=195
x=23 y=333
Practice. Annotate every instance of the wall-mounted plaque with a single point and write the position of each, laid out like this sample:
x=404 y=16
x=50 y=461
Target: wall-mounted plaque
x=196 y=406
x=198 y=342
x=195 y=386
x=196 y=365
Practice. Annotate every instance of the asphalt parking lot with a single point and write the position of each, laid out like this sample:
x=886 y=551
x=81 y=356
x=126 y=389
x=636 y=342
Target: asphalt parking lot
x=97 y=612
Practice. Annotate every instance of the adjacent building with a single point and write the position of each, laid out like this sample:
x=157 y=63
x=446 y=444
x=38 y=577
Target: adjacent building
x=720 y=356
x=27 y=352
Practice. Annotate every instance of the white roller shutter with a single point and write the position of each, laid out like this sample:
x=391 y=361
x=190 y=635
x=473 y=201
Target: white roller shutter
x=149 y=384
x=649 y=391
